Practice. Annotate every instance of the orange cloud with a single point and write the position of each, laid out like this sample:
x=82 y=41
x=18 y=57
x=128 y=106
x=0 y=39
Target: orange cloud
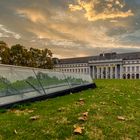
x=109 y=12
x=33 y=15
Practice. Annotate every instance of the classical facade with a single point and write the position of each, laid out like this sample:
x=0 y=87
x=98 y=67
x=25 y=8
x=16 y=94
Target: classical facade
x=104 y=66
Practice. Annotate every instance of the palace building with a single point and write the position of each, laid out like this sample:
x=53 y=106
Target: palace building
x=104 y=66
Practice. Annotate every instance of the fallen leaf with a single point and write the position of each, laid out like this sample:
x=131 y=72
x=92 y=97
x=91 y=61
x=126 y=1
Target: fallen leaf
x=61 y=109
x=15 y=131
x=114 y=102
x=103 y=103
x=121 y=118
x=78 y=130
x=30 y=111
x=35 y=117
x=85 y=114
x=84 y=118
x=20 y=112
x=81 y=101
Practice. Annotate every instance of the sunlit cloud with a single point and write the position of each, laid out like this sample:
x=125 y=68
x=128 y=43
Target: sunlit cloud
x=32 y=14
x=4 y=32
x=112 y=9
x=63 y=25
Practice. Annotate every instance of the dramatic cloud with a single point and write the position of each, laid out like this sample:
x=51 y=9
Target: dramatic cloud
x=32 y=14
x=110 y=9
x=4 y=32
x=72 y=28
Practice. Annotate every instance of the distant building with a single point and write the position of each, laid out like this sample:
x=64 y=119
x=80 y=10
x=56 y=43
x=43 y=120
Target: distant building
x=104 y=66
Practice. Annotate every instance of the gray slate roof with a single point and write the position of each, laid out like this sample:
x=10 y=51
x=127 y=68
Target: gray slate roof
x=106 y=56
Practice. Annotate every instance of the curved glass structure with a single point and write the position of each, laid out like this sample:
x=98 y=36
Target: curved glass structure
x=23 y=83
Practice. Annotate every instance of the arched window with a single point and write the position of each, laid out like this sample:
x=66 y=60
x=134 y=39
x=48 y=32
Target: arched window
x=137 y=76
x=128 y=76
x=124 y=76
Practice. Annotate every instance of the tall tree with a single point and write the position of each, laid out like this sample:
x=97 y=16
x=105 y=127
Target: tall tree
x=4 y=53
x=19 y=55
x=46 y=59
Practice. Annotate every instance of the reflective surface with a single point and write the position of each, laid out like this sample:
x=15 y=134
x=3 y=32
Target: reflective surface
x=20 y=83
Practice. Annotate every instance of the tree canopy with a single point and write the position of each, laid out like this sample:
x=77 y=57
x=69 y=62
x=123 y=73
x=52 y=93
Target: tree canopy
x=21 y=56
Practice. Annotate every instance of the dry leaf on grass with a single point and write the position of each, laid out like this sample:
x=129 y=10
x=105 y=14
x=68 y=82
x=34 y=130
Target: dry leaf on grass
x=15 y=131
x=121 y=118
x=84 y=118
x=114 y=102
x=81 y=101
x=78 y=130
x=30 y=111
x=61 y=109
x=103 y=103
x=20 y=112
x=85 y=114
x=35 y=117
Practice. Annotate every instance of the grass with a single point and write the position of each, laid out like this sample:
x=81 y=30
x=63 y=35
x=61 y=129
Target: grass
x=113 y=114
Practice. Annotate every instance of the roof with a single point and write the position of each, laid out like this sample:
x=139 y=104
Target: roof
x=105 y=56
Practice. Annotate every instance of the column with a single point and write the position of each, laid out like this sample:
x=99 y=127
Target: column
x=121 y=72
x=126 y=68
x=97 y=72
x=135 y=71
x=116 y=72
x=93 y=72
x=130 y=72
x=85 y=70
x=106 y=72
x=102 y=68
x=111 y=72
x=80 y=70
x=90 y=71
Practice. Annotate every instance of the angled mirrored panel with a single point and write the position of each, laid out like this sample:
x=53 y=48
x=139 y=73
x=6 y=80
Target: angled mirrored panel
x=22 y=83
x=51 y=81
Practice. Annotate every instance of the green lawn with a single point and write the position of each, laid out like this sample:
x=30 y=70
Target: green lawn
x=111 y=112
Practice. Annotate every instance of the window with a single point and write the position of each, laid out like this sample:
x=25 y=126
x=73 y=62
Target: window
x=133 y=62
x=128 y=76
x=133 y=69
x=113 y=69
x=137 y=68
x=128 y=69
x=85 y=70
x=137 y=76
x=124 y=69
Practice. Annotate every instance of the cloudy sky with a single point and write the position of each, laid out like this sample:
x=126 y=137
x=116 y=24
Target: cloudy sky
x=72 y=28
